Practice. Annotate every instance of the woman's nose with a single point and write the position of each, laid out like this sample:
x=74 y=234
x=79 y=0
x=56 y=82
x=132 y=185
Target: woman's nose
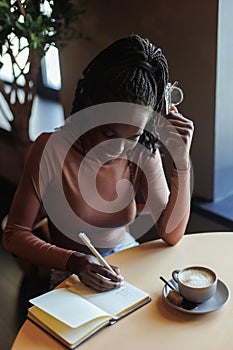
x=129 y=144
x=117 y=145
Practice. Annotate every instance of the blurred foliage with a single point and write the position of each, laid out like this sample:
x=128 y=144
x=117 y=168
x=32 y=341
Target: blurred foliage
x=42 y=22
x=28 y=28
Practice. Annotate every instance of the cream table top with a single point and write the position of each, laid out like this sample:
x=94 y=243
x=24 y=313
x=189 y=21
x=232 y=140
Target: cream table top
x=157 y=325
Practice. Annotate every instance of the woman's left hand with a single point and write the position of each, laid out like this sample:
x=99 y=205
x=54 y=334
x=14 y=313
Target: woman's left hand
x=177 y=138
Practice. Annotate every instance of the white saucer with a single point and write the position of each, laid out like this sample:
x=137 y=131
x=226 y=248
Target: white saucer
x=219 y=299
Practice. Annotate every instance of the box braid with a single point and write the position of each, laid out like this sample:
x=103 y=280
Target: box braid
x=129 y=70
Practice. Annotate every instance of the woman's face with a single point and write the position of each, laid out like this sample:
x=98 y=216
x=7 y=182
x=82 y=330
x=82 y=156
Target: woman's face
x=110 y=141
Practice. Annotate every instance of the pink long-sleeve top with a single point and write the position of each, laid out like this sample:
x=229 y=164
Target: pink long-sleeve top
x=79 y=195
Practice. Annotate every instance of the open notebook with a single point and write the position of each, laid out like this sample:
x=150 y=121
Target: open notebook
x=74 y=314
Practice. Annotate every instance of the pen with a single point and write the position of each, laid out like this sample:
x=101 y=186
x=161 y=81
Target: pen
x=87 y=241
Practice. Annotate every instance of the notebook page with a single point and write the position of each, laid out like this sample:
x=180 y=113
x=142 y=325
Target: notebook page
x=67 y=307
x=113 y=302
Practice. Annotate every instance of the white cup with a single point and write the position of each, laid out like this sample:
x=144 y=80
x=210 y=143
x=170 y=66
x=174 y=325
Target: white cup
x=196 y=283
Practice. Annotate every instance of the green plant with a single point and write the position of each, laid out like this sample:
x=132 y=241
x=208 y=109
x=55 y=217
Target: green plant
x=27 y=29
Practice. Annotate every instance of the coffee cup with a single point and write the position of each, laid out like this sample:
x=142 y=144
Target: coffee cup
x=196 y=283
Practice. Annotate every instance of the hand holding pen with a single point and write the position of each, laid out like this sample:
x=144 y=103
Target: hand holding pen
x=94 y=271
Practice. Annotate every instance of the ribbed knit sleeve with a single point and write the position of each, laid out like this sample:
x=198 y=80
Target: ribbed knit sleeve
x=18 y=237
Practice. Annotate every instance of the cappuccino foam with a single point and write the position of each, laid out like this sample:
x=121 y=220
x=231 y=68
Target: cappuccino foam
x=197 y=278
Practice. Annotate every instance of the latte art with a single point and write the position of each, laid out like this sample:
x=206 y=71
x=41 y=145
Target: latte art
x=196 y=283
x=197 y=278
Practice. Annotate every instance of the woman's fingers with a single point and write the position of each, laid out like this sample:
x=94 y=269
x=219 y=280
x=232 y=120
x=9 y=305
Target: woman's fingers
x=179 y=119
x=92 y=273
x=118 y=271
x=180 y=132
x=181 y=123
x=174 y=109
x=176 y=132
x=103 y=271
x=101 y=280
x=180 y=126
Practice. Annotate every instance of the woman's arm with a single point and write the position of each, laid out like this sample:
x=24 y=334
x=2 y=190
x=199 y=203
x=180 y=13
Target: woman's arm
x=170 y=209
x=18 y=237
x=173 y=221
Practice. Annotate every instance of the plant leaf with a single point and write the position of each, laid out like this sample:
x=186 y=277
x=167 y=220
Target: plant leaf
x=4 y=4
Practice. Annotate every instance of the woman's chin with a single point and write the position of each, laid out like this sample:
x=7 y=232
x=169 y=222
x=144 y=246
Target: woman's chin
x=109 y=157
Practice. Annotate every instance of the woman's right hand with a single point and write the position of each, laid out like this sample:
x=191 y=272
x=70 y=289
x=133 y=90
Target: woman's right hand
x=92 y=273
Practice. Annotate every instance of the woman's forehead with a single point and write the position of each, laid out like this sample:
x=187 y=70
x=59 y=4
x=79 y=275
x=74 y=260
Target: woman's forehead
x=129 y=117
x=121 y=128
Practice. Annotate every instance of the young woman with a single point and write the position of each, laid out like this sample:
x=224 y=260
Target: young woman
x=85 y=174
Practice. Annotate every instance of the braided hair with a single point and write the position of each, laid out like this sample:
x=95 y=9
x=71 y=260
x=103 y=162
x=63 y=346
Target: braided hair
x=129 y=70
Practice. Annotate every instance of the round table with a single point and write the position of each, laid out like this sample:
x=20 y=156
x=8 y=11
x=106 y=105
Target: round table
x=157 y=325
